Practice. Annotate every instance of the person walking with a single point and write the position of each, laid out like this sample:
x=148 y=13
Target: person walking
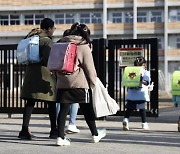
x=39 y=83
x=75 y=87
x=136 y=97
x=71 y=128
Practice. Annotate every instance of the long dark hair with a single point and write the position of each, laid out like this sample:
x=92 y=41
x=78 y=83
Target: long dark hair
x=81 y=30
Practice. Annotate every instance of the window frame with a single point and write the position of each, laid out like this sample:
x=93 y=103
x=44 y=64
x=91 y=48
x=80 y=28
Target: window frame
x=98 y=20
x=116 y=18
x=144 y=18
x=84 y=19
x=14 y=21
x=156 y=18
x=175 y=17
x=128 y=19
x=37 y=21
x=2 y=21
x=70 y=18
x=28 y=20
x=178 y=42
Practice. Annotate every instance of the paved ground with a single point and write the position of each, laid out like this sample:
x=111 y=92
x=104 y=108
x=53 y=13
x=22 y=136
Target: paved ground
x=161 y=138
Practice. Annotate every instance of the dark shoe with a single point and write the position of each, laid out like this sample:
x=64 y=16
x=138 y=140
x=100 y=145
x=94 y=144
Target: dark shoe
x=53 y=134
x=25 y=135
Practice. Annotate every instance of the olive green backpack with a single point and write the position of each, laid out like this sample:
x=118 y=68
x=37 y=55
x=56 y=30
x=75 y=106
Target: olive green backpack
x=131 y=76
x=176 y=83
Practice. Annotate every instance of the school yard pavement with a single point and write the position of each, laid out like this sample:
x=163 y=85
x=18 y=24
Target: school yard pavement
x=162 y=138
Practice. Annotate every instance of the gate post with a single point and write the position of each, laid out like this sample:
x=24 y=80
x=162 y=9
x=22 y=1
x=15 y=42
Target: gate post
x=111 y=68
x=154 y=77
x=99 y=57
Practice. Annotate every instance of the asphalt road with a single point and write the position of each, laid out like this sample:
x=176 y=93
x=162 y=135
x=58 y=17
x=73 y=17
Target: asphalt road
x=162 y=137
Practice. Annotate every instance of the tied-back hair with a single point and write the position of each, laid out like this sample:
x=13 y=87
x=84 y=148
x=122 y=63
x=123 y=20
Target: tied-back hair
x=66 y=33
x=139 y=61
x=81 y=30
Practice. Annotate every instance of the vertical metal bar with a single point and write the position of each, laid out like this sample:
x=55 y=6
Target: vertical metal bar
x=13 y=88
x=116 y=72
x=5 y=78
x=111 y=68
x=154 y=67
x=1 y=79
x=95 y=53
x=99 y=57
x=102 y=60
x=9 y=78
x=17 y=85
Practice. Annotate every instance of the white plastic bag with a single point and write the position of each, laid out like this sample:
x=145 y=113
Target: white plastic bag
x=103 y=104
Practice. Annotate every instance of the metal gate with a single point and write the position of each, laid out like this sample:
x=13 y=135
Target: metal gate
x=11 y=80
x=115 y=88
x=105 y=54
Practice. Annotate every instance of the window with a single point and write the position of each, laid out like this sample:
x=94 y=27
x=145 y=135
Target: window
x=85 y=18
x=178 y=16
x=4 y=20
x=178 y=42
x=65 y=18
x=117 y=17
x=156 y=16
x=128 y=17
x=160 y=46
x=59 y=19
x=14 y=20
x=70 y=18
x=174 y=15
x=141 y=17
x=38 y=19
x=96 y=18
x=28 y=19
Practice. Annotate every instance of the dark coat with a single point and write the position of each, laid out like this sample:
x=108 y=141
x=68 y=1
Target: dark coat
x=39 y=82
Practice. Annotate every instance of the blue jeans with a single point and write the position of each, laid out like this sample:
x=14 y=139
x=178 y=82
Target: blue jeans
x=72 y=112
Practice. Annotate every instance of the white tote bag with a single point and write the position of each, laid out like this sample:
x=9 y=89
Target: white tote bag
x=103 y=104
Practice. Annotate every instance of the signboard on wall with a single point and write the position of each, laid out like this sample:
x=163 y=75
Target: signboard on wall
x=128 y=55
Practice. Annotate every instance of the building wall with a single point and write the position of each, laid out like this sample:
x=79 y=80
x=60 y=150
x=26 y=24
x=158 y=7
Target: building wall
x=151 y=21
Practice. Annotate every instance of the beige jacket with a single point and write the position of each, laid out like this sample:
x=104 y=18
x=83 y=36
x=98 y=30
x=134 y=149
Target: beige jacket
x=85 y=74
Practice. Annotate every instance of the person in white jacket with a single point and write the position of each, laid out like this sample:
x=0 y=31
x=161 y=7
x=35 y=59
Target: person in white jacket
x=136 y=97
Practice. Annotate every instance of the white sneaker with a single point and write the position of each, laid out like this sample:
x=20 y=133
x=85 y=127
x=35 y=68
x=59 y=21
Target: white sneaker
x=145 y=125
x=101 y=134
x=72 y=129
x=125 y=124
x=62 y=142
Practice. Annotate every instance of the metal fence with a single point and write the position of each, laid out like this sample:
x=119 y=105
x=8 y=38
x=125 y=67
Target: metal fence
x=106 y=59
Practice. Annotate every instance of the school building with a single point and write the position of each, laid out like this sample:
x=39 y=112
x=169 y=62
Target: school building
x=111 y=19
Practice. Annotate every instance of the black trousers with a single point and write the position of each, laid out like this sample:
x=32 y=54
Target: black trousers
x=141 y=111
x=88 y=113
x=28 y=111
